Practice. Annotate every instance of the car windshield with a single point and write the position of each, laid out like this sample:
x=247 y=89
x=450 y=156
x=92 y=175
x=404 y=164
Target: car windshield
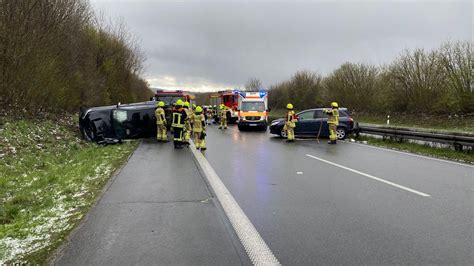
x=168 y=99
x=253 y=106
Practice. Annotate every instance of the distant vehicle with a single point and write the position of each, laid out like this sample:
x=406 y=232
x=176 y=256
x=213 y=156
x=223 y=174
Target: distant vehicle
x=309 y=123
x=229 y=98
x=170 y=97
x=121 y=121
x=253 y=110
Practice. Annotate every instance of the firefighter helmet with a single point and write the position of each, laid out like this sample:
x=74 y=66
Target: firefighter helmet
x=199 y=109
x=334 y=105
x=186 y=104
x=161 y=104
x=289 y=106
x=179 y=102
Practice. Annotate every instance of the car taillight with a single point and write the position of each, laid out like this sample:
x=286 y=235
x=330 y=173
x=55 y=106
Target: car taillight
x=350 y=119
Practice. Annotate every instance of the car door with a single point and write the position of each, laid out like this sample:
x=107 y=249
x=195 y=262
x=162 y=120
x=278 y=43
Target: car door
x=306 y=123
x=322 y=127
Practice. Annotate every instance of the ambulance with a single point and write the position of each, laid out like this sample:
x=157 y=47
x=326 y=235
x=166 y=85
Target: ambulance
x=253 y=110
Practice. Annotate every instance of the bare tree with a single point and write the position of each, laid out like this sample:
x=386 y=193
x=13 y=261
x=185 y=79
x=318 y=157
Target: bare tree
x=253 y=84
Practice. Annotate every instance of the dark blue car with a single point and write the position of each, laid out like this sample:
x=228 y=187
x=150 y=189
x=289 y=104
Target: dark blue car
x=309 y=124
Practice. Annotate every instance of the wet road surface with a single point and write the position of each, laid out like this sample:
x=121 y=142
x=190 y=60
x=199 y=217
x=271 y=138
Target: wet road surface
x=311 y=203
x=155 y=212
x=348 y=203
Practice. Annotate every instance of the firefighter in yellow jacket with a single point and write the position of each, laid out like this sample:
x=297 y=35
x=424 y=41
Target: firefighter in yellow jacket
x=161 y=134
x=188 y=127
x=333 y=122
x=199 y=129
x=179 y=117
x=223 y=116
x=290 y=123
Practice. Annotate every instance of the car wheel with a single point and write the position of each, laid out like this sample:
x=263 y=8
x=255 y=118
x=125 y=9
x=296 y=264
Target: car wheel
x=283 y=134
x=341 y=133
x=241 y=128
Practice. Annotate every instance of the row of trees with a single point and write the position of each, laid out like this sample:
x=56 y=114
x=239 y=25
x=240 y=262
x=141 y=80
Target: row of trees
x=58 y=55
x=437 y=81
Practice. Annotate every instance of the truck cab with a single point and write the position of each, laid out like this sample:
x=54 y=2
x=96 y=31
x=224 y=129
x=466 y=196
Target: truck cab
x=170 y=97
x=253 y=110
x=230 y=98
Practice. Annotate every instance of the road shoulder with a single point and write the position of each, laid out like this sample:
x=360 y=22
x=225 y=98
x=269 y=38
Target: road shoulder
x=158 y=209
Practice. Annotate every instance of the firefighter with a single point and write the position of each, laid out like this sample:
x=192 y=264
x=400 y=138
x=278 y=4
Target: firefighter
x=215 y=114
x=206 y=114
x=209 y=114
x=290 y=123
x=179 y=117
x=161 y=134
x=199 y=129
x=333 y=121
x=223 y=117
x=188 y=127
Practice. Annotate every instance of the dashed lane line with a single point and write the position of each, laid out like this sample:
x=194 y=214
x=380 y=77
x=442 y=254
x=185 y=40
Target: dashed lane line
x=256 y=248
x=371 y=176
x=411 y=154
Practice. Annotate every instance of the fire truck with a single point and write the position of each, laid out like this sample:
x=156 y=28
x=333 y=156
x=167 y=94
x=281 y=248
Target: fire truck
x=170 y=97
x=229 y=98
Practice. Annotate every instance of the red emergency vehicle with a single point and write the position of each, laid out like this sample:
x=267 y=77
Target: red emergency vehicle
x=170 y=97
x=229 y=98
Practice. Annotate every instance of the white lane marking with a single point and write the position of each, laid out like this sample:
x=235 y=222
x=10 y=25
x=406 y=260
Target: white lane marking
x=411 y=154
x=299 y=173
x=256 y=248
x=371 y=176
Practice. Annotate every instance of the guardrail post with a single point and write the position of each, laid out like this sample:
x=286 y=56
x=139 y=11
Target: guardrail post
x=457 y=147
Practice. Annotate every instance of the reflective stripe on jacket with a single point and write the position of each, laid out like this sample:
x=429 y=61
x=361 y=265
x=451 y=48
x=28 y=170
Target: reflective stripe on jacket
x=198 y=122
x=160 y=116
x=178 y=119
x=291 y=119
x=333 y=116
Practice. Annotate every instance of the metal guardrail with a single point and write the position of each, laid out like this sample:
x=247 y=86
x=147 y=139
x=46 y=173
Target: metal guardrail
x=457 y=140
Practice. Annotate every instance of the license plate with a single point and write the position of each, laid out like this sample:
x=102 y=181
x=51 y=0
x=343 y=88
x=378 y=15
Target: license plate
x=253 y=125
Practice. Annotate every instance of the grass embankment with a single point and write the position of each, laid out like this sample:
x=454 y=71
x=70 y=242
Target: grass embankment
x=453 y=123
x=49 y=180
x=275 y=114
x=457 y=124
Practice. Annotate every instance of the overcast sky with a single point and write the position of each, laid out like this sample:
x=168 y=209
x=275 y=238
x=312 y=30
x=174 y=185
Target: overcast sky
x=210 y=45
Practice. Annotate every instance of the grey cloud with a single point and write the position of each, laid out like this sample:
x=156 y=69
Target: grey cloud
x=228 y=42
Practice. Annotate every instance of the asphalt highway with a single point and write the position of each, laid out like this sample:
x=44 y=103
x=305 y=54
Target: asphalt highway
x=347 y=203
x=301 y=203
x=157 y=210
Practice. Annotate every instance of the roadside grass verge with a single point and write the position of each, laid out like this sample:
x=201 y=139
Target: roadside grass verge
x=453 y=123
x=466 y=156
x=277 y=113
x=49 y=180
